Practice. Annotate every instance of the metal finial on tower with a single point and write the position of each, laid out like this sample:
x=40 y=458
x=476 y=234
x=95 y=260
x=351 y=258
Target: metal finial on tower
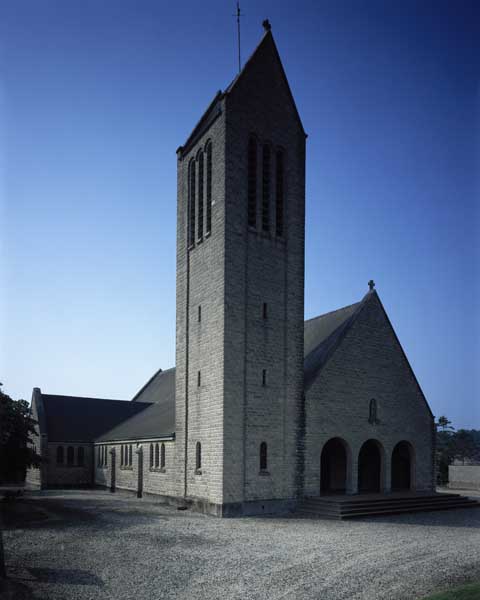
x=371 y=285
x=266 y=25
x=239 y=14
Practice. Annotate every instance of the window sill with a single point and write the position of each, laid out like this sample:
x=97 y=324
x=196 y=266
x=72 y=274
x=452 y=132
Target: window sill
x=158 y=470
x=264 y=473
x=208 y=234
x=198 y=471
x=126 y=468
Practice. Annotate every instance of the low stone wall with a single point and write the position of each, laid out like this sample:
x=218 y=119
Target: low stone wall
x=465 y=477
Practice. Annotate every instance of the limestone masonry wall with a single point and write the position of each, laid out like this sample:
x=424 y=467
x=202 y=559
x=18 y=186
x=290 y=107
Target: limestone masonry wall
x=368 y=364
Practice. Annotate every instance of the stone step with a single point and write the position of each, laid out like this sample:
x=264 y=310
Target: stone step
x=379 y=499
x=318 y=503
x=390 y=511
x=343 y=509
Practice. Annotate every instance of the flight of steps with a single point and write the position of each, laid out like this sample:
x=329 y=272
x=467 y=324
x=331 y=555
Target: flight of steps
x=349 y=507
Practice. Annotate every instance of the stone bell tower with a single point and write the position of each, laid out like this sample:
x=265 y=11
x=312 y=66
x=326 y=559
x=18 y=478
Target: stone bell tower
x=240 y=295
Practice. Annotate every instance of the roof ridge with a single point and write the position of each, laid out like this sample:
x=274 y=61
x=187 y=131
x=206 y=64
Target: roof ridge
x=146 y=384
x=332 y=311
x=83 y=397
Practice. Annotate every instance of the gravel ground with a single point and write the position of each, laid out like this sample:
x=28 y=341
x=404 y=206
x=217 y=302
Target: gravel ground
x=95 y=545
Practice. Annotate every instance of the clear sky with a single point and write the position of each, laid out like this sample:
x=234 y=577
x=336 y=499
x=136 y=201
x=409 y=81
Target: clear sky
x=95 y=97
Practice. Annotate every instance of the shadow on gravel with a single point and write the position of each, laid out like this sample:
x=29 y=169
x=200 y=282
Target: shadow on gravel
x=466 y=517
x=59 y=514
x=65 y=576
x=12 y=590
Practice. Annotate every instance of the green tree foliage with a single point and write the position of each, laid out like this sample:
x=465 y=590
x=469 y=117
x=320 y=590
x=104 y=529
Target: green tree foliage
x=463 y=445
x=16 y=436
x=444 y=424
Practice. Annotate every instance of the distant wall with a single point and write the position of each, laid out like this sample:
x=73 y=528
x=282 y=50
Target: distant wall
x=69 y=473
x=465 y=477
x=156 y=480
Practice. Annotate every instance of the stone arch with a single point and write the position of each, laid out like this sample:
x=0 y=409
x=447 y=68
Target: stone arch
x=371 y=467
x=335 y=463
x=403 y=467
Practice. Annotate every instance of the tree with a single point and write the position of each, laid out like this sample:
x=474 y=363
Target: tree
x=444 y=451
x=464 y=445
x=444 y=424
x=17 y=429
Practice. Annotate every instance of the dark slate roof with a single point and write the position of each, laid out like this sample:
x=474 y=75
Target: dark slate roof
x=214 y=108
x=158 y=420
x=323 y=334
x=160 y=388
x=75 y=419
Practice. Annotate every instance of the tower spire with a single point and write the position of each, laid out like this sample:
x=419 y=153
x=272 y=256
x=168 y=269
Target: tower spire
x=239 y=14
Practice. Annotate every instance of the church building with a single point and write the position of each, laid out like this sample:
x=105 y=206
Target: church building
x=262 y=408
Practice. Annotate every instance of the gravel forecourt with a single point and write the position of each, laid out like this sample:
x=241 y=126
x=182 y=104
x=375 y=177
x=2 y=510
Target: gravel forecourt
x=92 y=544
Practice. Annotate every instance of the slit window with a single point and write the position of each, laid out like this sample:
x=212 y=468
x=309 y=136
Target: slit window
x=252 y=182
x=130 y=455
x=151 y=456
x=279 y=195
x=60 y=457
x=199 y=314
x=200 y=197
x=70 y=455
x=199 y=379
x=264 y=377
x=208 y=151
x=191 y=203
x=81 y=456
x=198 y=456
x=156 y=456
x=263 y=456
x=266 y=188
x=265 y=311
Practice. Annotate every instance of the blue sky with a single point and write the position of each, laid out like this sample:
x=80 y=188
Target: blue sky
x=95 y=97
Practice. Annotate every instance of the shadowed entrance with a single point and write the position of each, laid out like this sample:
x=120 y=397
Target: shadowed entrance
x=402 y=463
x=333 y=467
x=369 y=467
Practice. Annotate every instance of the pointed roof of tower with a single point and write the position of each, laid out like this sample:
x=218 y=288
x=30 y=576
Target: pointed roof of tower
x=266 y=48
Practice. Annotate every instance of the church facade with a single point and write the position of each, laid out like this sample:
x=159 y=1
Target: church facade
x=262 y=408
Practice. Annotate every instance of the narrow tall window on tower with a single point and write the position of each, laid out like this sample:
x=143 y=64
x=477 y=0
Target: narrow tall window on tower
x=200 y=196
x=266 y=188
x=208 y=150
x=279 y=199
x=252 y=182
x=156 y=456
x=191 y=203
x=198 y=457
x=263 y=456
